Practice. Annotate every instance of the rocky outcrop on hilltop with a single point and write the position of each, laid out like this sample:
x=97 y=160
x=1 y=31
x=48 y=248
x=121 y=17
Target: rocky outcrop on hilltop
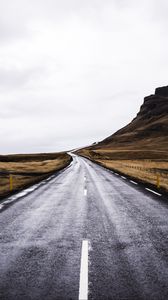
x=162 y=91
x=155 y=105
x=150 y=123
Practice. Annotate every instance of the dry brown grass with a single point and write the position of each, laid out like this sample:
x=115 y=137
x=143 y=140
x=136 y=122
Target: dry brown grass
x=125 y=154
x=33 y=166
x=146 y=170
x=35 y=170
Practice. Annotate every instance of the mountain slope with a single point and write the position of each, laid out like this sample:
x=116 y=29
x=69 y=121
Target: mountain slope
x=146 y=137
x=140 y=149
x=148 y=129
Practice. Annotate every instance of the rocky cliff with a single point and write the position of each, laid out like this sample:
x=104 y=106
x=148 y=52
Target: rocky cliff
x=148 y=129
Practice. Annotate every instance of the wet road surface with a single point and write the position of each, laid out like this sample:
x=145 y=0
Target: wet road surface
x=125 y=228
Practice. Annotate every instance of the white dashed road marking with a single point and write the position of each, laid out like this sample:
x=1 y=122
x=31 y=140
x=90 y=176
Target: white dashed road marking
x=153 y=192
x=83 y=285
x=133 y=182
x=85 y=192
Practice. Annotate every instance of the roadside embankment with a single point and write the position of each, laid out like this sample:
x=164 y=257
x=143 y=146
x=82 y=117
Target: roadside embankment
x=22 y=170
x=147 y=168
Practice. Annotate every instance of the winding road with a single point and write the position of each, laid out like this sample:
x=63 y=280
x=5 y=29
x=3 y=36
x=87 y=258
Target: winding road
x=85 y=233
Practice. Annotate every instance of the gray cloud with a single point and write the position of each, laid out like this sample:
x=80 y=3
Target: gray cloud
x=14 y=77
x=72 y=72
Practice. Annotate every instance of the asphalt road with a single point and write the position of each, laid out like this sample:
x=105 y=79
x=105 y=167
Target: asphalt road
x=126 y=227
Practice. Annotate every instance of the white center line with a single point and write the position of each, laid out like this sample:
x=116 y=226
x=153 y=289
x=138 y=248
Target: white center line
x=123 y=177
x=133 y=182
x=153 y=192
x=85 y=192
x=83 y=285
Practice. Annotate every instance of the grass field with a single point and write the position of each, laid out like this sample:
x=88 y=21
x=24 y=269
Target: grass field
x=145 y=166
x=28 y=169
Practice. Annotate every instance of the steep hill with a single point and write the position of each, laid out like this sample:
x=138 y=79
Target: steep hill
x=148 y=129
x=140 y=149
x=146 y=137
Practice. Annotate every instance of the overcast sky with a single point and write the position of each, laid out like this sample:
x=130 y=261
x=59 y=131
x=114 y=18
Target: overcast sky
x=72 y=72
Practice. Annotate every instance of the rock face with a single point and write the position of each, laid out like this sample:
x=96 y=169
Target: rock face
x=155 y=105
x=149 y=128
x=162 y=91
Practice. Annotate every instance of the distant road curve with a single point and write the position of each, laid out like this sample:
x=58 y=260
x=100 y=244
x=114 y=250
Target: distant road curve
x=84 y=234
